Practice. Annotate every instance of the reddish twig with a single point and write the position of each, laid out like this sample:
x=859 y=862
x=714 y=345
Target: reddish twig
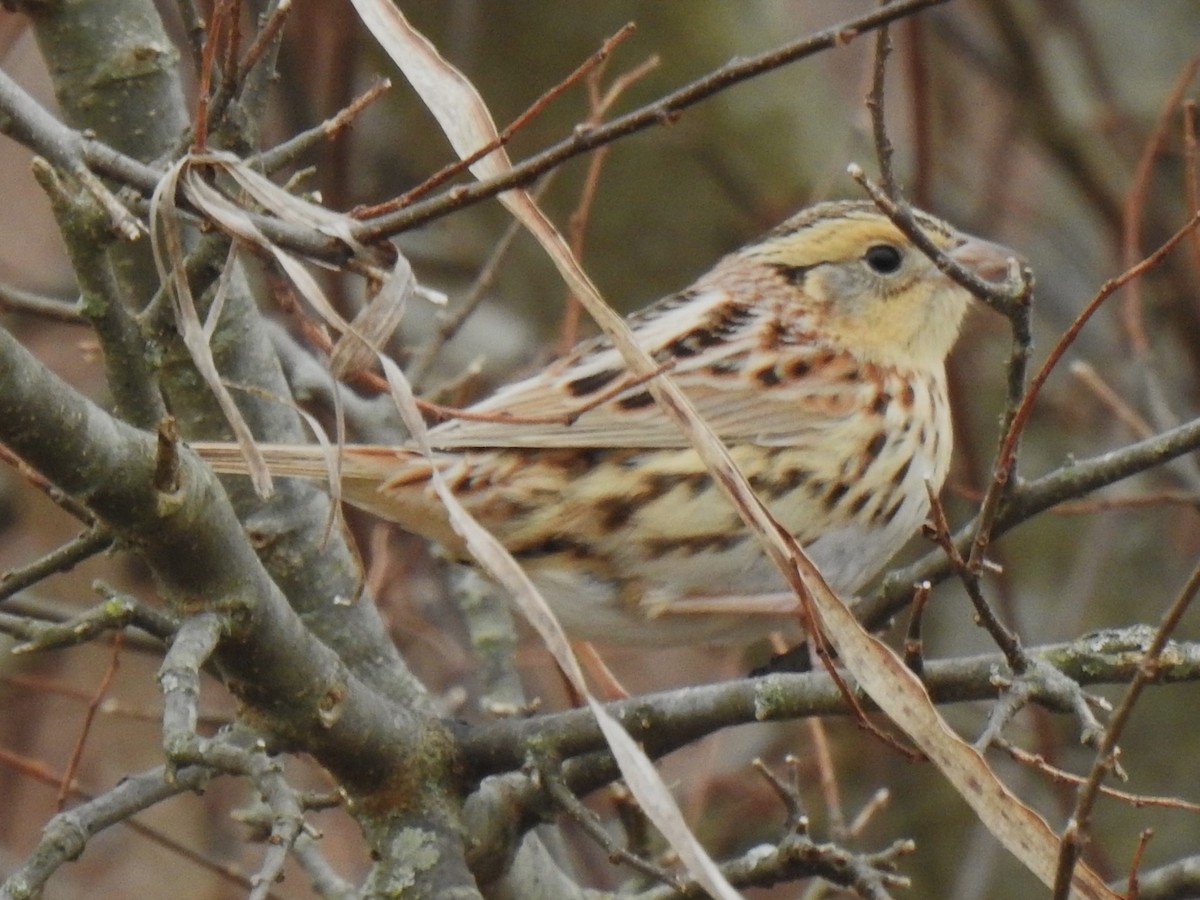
x=917 y=68
x=64 y=787
x=262 y=41
x=1191 y=171
x=1068 y=337
x=968 y=572
x=914 y=652
x=1133 y=891
x=1063 y=777
x=211 y=40
x=229 y=70
x=1137 y=501
x=577 y=223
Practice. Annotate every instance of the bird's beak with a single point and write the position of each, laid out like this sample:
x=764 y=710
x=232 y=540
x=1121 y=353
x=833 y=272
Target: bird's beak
x=987 y=260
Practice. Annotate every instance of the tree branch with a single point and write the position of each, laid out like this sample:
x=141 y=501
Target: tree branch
x=669 y=720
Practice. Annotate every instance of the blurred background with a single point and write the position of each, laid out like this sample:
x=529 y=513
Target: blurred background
x=1057 y=127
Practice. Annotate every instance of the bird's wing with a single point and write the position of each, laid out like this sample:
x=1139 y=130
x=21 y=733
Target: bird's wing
x=755 y=372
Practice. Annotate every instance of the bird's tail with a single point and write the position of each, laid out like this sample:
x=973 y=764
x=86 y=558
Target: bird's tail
x=389 y=482
x=374 y=464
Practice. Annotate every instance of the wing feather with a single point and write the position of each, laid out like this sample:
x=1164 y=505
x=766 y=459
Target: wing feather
x=752 y=367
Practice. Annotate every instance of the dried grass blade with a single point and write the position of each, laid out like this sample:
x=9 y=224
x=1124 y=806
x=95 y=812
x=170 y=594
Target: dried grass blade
x=468 y=124
x=234 y=221
x=169 y=259
x=368 y=333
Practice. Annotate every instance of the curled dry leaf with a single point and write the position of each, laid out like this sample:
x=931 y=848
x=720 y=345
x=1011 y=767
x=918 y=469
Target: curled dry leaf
x=369 y=331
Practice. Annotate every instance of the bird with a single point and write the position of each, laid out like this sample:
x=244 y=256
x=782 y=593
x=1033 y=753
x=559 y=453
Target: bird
x=816 y=353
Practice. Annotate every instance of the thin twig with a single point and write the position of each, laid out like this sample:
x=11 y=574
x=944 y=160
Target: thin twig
x=1135 y=501
x=68 y=556
x=788 y=794
x=1063 y=777
x=212 y=40
x=570 y=804
x=831 y=793
x=1133 y=892
x=1087 y=375
x=229 y=73
x=917 y=62
x=914 y=652
x=1005 y=639
x=876 y=109
x=287 y=152
x=866 y=814
x=89 y=716
x=599 y=104
x=65 y=501
x=194 y=25
x=13 y=299
x=1191 y=171
x=262 y=40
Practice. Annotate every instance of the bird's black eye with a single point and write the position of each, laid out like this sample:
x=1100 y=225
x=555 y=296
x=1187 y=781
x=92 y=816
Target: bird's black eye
x=884 y=259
